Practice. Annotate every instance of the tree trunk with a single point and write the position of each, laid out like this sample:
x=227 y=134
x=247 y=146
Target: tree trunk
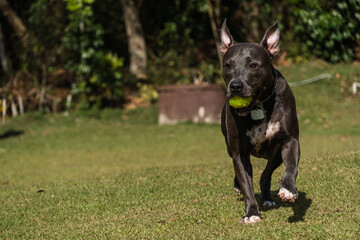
x=5 y=61
x=136 y=40
x=15 y=22
x=4 y=108
x=43 y=86
x=217 y=11
x=21 y=105
x=13 y=108
x=213 y=18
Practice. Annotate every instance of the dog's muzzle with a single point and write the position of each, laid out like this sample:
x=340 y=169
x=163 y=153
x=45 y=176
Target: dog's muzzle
x=236 y=87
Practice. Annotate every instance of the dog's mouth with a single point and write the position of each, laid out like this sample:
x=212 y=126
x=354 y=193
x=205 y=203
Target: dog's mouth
x=245 y=110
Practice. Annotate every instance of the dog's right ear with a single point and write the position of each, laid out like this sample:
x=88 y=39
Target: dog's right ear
x=271 y=38
x=226 y=39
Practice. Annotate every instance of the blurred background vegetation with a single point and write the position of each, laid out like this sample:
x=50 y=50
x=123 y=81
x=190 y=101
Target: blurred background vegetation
x=111 y=172
x=103 y=52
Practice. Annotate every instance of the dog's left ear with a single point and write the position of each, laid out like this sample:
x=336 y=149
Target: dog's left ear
x=271 y=39
x=226 y=39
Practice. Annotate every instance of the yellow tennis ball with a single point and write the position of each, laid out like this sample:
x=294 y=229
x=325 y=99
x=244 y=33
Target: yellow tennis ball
x=239 y=102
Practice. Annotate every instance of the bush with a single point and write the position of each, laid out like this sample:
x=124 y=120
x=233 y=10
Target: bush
x=99 y=73
x=329 y=29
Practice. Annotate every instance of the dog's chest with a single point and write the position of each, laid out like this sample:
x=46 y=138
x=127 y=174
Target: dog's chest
x=262 y=132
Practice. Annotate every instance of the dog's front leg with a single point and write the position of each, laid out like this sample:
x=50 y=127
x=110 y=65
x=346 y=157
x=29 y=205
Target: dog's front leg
x=243 y=172
x=290 y=154
x=241 y=162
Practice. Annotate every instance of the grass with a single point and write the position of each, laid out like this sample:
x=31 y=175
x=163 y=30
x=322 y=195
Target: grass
x=326 y=107
x=184 y=202
x=117 y=175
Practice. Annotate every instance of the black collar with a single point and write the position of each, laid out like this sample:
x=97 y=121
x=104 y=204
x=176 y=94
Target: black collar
x=273 y=91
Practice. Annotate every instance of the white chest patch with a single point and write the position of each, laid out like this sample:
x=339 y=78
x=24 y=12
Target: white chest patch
x=262 y=132
x=272 y=129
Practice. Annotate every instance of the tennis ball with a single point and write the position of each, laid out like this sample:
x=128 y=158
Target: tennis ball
x=239 y=102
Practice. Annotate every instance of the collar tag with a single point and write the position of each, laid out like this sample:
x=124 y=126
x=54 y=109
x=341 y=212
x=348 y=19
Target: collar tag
x=257 y=114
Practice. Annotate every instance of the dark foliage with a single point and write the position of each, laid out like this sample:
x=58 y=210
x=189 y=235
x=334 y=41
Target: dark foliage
x=86 y=41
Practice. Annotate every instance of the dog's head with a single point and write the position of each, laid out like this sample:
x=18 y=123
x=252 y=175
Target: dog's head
x=247 y=67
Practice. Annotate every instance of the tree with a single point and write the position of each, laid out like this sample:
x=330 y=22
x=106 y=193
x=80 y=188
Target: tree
x=214 y=15
x=136 y=40
x=5 y=61
x=15 y=22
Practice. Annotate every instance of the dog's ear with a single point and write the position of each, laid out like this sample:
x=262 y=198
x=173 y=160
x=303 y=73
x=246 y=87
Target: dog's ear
x=226 y=39
x=271 y=39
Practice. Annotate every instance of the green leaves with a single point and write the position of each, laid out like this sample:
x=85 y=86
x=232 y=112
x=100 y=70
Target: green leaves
x=100 y=73
x=76 y=5
x=329 y=30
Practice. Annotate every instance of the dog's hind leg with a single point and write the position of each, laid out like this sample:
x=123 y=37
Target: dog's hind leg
x=265 y=180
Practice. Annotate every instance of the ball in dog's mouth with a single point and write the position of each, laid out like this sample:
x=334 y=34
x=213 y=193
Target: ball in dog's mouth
x=240 y=102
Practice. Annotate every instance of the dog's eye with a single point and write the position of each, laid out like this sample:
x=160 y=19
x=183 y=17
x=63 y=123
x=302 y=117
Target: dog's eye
x=253 y=65
x=227 y=66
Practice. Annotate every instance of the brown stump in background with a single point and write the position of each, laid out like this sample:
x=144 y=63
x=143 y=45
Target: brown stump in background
x=196 y=103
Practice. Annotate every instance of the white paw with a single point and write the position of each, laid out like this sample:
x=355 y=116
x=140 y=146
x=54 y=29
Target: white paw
x=269 y=204
x=286 y=195
x=252 y=219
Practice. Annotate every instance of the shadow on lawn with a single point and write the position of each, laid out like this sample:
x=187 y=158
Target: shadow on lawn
x=11 y=133
x=300 y=207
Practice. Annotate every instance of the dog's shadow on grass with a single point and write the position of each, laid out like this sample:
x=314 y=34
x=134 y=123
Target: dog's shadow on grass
x=11 y=133
x=300 y=207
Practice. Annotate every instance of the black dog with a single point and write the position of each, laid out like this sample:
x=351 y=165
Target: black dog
x=267 y=127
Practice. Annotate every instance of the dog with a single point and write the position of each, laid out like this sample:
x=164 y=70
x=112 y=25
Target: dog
x=267 y=128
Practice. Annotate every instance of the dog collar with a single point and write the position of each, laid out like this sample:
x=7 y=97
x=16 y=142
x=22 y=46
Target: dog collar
x=257 y=113
x=273 y=91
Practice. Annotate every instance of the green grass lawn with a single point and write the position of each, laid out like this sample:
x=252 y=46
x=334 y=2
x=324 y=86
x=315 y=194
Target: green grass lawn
x=117 y=175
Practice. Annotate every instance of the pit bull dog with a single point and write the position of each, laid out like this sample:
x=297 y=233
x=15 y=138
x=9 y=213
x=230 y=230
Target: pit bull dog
x=267 y=127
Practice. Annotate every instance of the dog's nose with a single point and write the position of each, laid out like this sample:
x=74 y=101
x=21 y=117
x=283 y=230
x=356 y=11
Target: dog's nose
x=236 y=87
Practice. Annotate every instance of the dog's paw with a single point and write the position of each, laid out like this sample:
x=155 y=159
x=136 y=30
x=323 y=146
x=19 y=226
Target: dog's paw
x=269 y=204
x=287 y=196
x=237 y=191
x=252 y=219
